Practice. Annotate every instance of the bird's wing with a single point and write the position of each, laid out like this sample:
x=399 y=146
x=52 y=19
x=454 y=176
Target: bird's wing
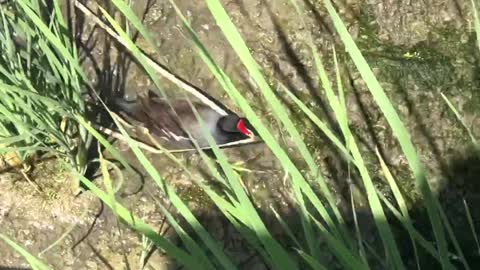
x=160 y=119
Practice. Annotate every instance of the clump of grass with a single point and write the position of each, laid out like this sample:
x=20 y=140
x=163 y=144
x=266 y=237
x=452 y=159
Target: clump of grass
x=41 y=84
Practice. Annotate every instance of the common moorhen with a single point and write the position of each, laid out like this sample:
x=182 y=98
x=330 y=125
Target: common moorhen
x=156 y=115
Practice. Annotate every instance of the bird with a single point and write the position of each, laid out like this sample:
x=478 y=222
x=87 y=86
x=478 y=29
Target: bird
x=173 y=122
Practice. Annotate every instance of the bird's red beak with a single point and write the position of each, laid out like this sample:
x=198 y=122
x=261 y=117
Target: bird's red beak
x=243 y=129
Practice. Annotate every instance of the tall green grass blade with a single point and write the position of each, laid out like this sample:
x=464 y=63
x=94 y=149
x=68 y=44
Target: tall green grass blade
x=320 y=124
x=264 y=133
x=54 y=40
x=287 y=229
x=132 y=18
x=107 y=182
x=280 y=257
x=472 y=225
x=233 y=36
x=476 y=22
x=407 y=224
x=138 y=225
x=398 y=129
x=358 y=234
x=32 y=260
x=108 y=146
x=460 y=118
x=399 y=199
x=341 y=115
x=380 y=219
x=314 y=264
x=344 y=255
x=176 y=201
x=454 y=240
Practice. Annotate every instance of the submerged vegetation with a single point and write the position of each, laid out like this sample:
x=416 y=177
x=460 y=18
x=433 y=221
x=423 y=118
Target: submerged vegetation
x=43 y=111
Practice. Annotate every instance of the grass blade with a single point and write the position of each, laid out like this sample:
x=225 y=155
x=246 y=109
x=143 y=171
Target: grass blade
x=34 y=262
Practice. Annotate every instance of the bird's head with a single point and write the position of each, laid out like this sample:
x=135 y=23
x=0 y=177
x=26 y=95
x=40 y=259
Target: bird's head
x=234 y=124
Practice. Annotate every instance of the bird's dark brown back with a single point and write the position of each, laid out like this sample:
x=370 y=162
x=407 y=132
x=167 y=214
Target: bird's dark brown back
x=159 y=117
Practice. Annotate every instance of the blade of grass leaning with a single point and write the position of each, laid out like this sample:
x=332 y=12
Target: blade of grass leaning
x=380 y=219
x=472 y=226
x=454 y=240
x=340 y=112
x=398 y=129
x=476 y=22
x=54 y=40
x=264 y=133
x=399 y=199
x=336 y=104
x=345 y=256
x=229 y=209
x=238 y=44
x=358 y=234
x=132 y=18
x=176 y=201
x=319 y=123
x=460 y=118
x=171 y=219
x=314 y=264
x=107 y=181
x=375 y=255
x=407 y=224
x=138 y=225
x=287 y=229
x=34 y=262
x=341 y=92
x=221 y=77
x=108 y=146
x=280 y=257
